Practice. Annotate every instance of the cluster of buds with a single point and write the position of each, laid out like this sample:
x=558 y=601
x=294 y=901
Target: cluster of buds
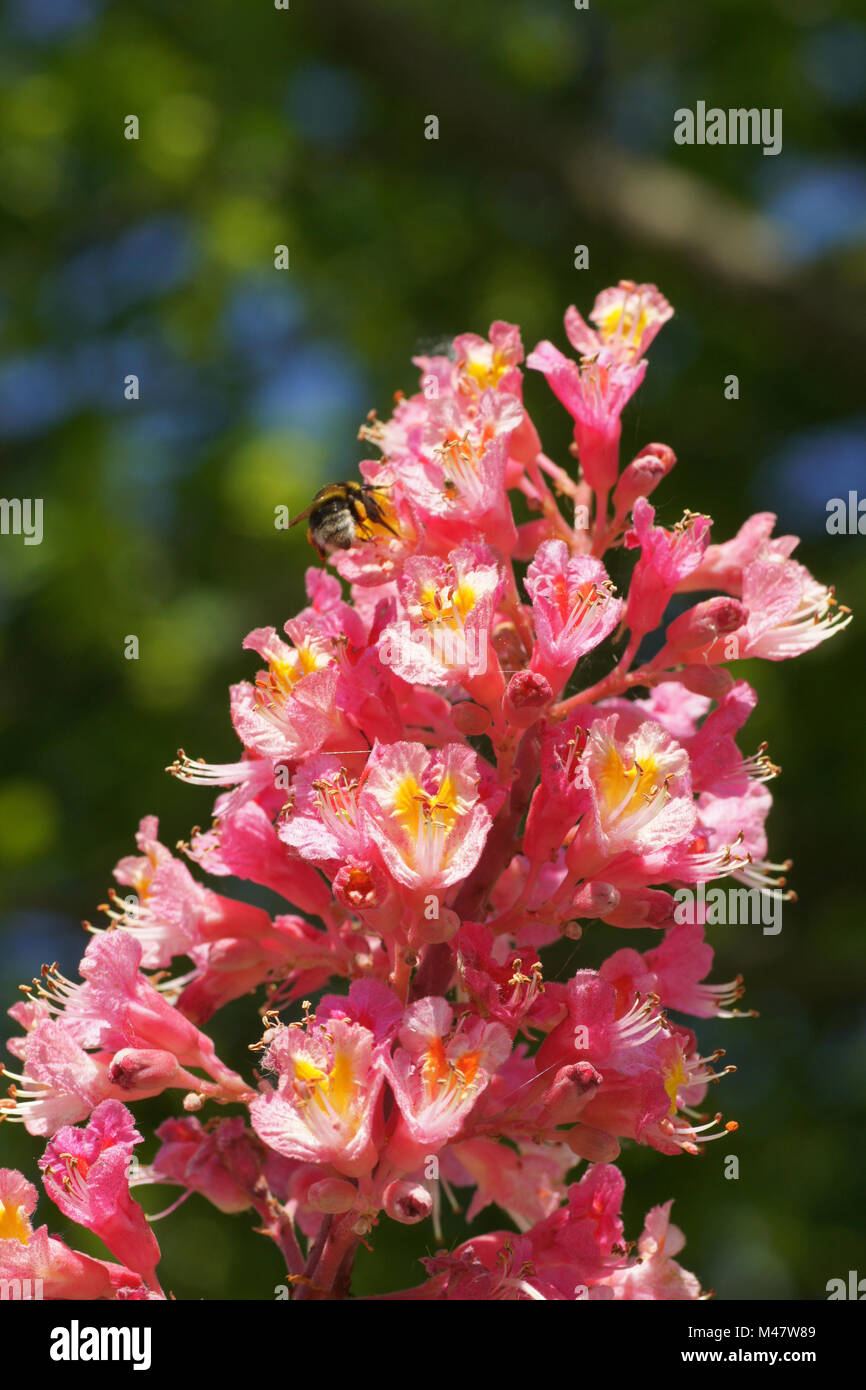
x=431 y=785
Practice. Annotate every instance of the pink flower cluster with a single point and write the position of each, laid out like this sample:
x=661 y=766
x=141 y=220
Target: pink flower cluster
x=432 y=785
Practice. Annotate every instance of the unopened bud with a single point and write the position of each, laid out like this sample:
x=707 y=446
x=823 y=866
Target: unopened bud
x=470 y=719
x=407 y=1202
x=712 y=681
x=642 y=476
x=140 y=1068
x=704 y=623
x=508 y=646
x=595 y=899
x=526 y=697
x=435 y=929
x=570 y=1090
x=649 y=907
x=595 y=1145
x=332 y=1195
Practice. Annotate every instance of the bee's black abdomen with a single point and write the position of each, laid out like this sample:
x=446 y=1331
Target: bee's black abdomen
x=332 y=525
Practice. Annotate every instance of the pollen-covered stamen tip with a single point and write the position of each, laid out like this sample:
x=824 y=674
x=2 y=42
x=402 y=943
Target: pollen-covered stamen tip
x=643 y=1020
x=53 y=988
x=199 y=773
x=758 y=767
x=684 y=1134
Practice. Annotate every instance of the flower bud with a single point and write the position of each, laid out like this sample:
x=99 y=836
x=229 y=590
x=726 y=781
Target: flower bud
x=332 y=1195
x=526 y=697
x=301 y=1180
x=642 y=476
x=645 y=907
x=712 y=681
x=407 y=1202
x=595 y=899
x=701 y=625
x=470 y=719
x=572 y=930
x=508 y=645
x=142 y=1069
x=572 y=1087
x=595 y=1145
x=442 y=927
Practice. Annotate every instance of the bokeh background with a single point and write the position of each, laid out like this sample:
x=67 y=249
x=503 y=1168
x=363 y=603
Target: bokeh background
x=156 y=257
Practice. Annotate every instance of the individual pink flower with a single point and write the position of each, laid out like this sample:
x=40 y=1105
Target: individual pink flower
x=566 y=1256
x=649 y=1069
x=426 y=812
x=17 y=1203
x=655 y=1274
x=504 y=985
x=117 y=1007
x=452 y=467
x=244 y=843
x=324 y=821
x=674 y=971
x=45 y=1266
x=579 y=1242
x=573 y=608
x=654 y=1099
x=595 y=395
x=170 y=913
x=528 y=1183
x=666 y=558
x=327 y=824
x=722 y=566
x=788 y=612
x=86 y=1173
x=326 y=1105
x=601 y=1029
x=490 y=1268
x=62 y=1083
x=627 y=318
x=437 y=1075
x=490 y=363
x=223 y=1162
x=640 y=789
x=444 y=620
x=292 y=707
x=736 y=826
x=563 y=793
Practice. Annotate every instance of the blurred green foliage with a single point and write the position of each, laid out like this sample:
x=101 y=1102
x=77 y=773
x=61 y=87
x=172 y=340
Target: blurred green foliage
x=155 y=257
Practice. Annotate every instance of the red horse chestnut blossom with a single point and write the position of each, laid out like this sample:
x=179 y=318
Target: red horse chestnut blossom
x=512 y=711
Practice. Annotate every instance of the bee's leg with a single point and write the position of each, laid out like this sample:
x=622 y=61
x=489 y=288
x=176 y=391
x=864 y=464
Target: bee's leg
x=322 y=554
x=362 y=515
x=377 y=516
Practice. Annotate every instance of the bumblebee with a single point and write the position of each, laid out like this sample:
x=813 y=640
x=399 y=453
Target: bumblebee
x=341 y=515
